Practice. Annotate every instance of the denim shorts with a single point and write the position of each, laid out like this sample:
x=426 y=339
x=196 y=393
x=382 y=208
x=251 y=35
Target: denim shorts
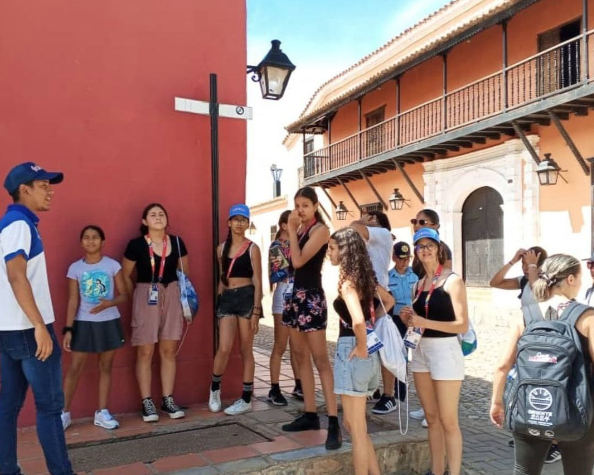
x=237 y=302
x=356 y=377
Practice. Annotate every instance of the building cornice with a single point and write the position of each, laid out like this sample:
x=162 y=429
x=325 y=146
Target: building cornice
x=265 y=206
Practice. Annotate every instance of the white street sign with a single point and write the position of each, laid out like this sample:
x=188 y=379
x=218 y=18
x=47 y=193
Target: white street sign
x=203 y=107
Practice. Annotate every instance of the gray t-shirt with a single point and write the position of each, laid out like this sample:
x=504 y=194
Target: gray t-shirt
x=527 y=295
x=95 y=283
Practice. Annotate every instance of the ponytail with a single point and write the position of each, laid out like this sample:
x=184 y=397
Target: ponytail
x=225 y=262
x=554 y=271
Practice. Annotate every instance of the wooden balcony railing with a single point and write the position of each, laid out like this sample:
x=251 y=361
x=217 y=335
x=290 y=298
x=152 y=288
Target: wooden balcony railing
x=547 y=73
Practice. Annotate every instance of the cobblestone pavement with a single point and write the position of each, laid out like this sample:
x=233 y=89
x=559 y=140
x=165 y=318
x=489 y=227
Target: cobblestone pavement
x=486 y=450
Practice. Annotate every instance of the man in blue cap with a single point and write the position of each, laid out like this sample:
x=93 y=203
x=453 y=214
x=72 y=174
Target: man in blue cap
x=29 y=351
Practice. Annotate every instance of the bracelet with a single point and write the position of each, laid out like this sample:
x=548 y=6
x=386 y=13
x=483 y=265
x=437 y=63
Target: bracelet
x=510 y=263
x=533 y=265
x=67 y=329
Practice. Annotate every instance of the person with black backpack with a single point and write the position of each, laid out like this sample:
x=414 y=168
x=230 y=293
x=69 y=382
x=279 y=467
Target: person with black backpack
x=550 y=395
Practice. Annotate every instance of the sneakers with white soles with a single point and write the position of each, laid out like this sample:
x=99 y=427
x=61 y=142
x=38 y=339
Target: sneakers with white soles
x=238 y=407
x=418 y=415
x=66 y=420
x=214 y=401
x=104 y=419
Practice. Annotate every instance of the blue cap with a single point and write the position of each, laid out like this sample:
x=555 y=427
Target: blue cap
x=26 y=172
x=426 y=233
x=239 y=210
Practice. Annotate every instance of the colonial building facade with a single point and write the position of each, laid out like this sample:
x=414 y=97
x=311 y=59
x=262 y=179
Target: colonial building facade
x=458 y=113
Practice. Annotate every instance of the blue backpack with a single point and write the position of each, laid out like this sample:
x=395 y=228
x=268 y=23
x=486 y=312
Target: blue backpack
x=550 y=396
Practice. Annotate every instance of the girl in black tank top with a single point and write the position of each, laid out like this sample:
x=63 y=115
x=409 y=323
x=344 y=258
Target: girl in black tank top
x=239 y=307
x=440 y=312
x=306 y=315
x=356 y=372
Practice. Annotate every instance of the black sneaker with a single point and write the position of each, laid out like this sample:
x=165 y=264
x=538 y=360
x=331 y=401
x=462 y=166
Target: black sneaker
x=375 y=396
x=302 y=423
x=385 y=405
x=149 y=411
x=554 y=454
x=297 y=392
x=511 y=443
x=169 y=407
x=334 y=437
x=276 y=398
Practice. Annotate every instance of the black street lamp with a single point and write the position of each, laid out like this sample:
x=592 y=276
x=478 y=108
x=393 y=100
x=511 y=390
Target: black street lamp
x=341 y=211
x=548 y=171
x=276 y=176
x=273 y=72
x=397 y=200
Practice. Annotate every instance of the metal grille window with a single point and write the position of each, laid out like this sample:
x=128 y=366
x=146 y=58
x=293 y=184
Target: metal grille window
x=273 y=231
x=371 y=207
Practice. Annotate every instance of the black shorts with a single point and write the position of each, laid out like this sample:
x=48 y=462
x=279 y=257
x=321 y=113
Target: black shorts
x=237 y=302
x=306 y=310
x=97 y=337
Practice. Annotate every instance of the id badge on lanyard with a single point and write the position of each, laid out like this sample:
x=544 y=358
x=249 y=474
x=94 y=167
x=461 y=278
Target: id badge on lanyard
x=289 y=289
x=414 y=334
x=374 y=344
x=153 y=295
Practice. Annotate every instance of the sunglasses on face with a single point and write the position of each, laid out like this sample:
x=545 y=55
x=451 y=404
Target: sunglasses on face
x=422 y=222
x=428 y=247
x=590 y=264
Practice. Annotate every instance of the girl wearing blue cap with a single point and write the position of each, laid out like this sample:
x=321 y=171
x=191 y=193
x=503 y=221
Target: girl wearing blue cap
x=306 y=313
x=239 y=307
x=440 y=313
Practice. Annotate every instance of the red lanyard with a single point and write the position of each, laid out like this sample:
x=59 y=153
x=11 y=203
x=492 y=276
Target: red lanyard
x=152 y=256
x=307 y=230
x=431 y=289
x=240 y=253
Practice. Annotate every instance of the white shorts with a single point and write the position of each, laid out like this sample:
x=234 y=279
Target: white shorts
x=442 y=357
x=278 y=298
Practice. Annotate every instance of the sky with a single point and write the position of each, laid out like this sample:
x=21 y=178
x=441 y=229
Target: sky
x=322 y=38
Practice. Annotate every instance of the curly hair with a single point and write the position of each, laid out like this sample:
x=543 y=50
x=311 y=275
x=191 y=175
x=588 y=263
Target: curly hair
x=355 y=265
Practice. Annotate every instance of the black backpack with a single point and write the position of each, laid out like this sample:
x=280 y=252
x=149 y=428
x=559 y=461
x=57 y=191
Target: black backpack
x=550 y=396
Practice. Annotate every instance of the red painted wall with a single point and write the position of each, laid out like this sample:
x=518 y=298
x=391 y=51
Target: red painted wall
x=88 y=88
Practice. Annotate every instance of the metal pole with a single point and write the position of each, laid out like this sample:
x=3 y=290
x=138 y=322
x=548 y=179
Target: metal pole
x=444 y=102
x=214 y=161
x=585 y=50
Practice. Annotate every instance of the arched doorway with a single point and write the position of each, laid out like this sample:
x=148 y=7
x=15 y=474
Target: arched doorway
x=482 y=236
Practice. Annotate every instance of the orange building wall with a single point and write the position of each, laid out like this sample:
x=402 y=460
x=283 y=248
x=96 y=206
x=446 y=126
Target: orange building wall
x=421 y=84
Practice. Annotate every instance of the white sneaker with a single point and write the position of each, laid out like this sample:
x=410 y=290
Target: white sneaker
x=238 y=407
x=424 y=423
x=418 y=415
x=66 y=420
x=104 y=419
x=214 y=401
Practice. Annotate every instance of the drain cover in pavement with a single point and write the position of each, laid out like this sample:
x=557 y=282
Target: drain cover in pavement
x=149 y=448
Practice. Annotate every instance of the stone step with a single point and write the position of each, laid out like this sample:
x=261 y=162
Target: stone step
x=397 y=454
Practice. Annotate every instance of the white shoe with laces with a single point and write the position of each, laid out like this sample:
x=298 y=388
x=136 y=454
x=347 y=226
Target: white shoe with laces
x=214 y=401
x=238 y=407
x=417 y=415
x=104 y=419
x=66 y=420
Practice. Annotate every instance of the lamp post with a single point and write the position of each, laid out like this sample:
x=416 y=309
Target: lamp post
x=276 y=176
x=273 y=73
x=253 y=229
x=341 y=211
x=548 y=171
x=397 y=200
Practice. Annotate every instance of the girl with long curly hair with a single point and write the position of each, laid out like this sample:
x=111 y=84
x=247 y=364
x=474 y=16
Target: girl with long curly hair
x=355 y=370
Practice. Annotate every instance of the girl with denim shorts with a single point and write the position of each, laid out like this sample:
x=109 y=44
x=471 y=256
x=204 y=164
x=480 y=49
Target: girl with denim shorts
x=356 y=372
x=281 y=279
x=239 y=307
x=157 y=316
x=306 y=314
x=93 y=324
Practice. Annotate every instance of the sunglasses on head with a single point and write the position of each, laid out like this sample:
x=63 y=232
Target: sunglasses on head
x=422 y=222
x=590 y=264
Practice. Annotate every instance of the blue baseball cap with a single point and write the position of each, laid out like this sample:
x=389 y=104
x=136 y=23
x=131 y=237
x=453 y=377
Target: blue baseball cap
x=426 y=233
x=239 y=210
x=26 y=172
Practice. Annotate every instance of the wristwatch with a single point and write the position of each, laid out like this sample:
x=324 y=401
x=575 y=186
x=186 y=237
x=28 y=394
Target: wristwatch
x=67 y=329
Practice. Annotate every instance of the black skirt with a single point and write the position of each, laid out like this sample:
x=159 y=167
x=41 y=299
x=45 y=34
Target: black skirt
x=97 y=337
